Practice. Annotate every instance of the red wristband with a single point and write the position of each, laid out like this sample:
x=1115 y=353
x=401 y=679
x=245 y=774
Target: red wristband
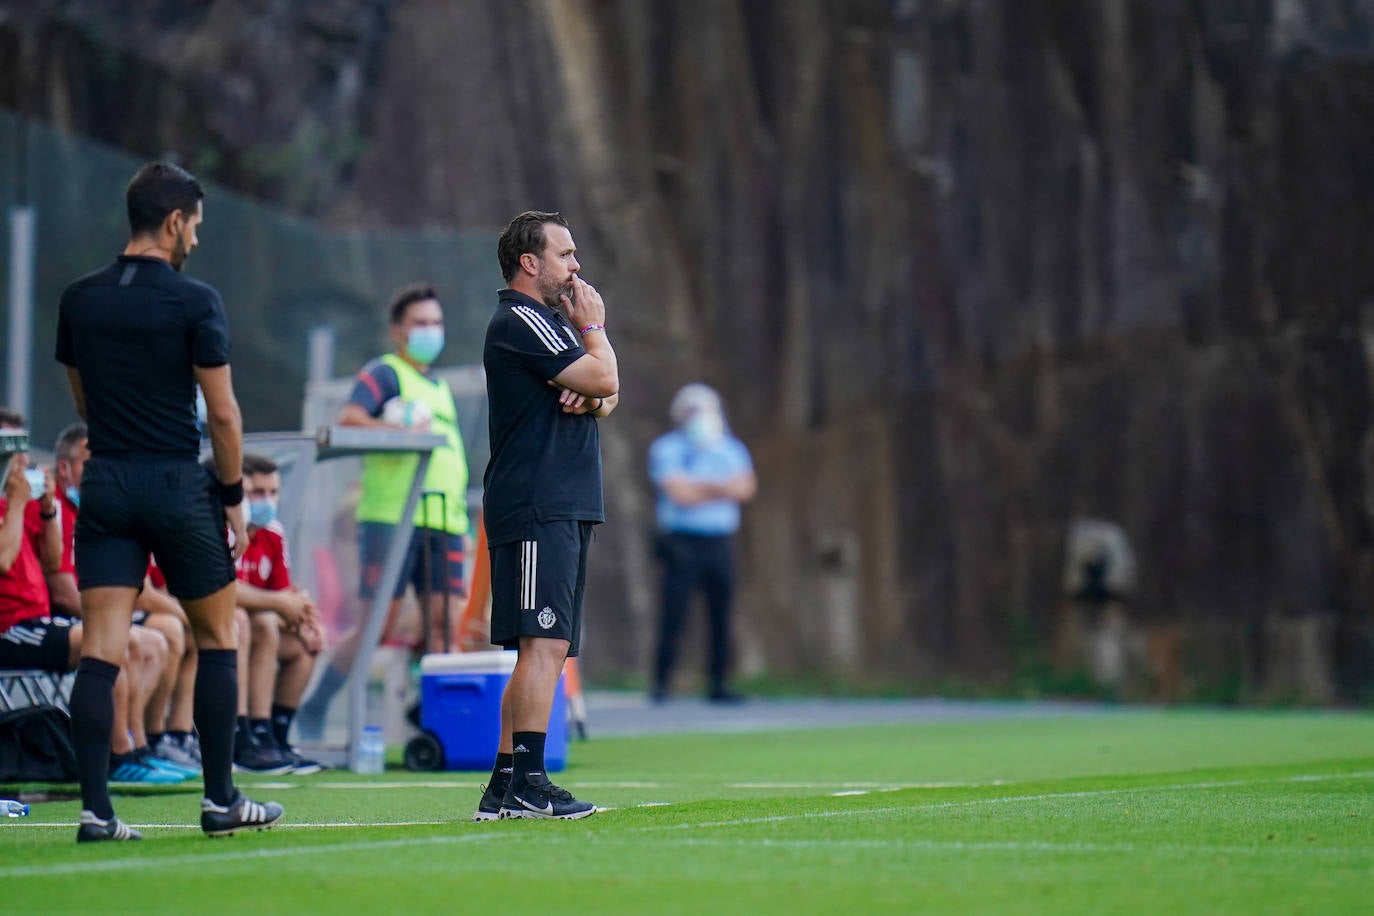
x=592 y=327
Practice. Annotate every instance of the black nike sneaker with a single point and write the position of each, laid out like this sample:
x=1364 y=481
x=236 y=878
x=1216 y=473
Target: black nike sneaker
x=94 y=830
x=489 y=808
x=241 y=814
x=264 y=761
x=543 y=799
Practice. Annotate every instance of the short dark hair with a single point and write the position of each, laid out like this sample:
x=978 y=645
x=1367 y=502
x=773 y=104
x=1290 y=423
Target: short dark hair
x=258 y=464
x=68 y=440
x=11 y=418
x=524 y=235
x=158 y=189
x=407 y=296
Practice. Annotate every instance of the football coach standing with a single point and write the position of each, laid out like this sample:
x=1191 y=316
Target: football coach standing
x=551 y=373
x=136 y=338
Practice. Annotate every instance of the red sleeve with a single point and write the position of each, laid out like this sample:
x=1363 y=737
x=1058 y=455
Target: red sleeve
x=33 y=526
x=280 y=577
x=68 y=536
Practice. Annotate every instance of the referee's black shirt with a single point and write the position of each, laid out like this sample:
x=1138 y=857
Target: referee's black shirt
x=545 y=464
x=134 y=330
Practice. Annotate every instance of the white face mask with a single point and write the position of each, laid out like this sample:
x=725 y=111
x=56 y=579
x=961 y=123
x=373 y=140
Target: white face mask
x=705 y=428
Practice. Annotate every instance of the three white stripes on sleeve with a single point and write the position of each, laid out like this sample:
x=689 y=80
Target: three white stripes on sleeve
x=549 y=334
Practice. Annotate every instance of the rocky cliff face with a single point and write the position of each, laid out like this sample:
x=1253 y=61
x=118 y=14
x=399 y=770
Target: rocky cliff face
x=966 y=272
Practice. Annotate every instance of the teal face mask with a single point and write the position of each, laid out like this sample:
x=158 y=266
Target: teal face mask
x=423 y=344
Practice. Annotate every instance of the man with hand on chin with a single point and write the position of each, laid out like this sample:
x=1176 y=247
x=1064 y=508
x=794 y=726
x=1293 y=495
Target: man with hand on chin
x=551 y=375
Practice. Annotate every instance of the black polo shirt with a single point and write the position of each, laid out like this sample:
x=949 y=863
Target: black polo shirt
x=545 y=464
x=134 y=330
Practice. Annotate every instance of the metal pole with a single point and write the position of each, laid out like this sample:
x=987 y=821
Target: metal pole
x=320 y=353
x=20 y=351
x=381 y=602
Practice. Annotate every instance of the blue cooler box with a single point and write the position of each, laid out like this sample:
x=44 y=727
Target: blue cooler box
x=460 y=704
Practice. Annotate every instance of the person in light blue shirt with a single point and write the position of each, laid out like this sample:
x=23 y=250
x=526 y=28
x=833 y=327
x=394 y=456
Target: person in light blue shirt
x=702 y=474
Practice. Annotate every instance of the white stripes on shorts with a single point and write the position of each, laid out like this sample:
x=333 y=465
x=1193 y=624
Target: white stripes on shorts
x=529 y=567
x=32 y=631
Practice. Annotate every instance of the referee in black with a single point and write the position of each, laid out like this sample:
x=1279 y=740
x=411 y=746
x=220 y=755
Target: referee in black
x=551 y=373
x=136 y=337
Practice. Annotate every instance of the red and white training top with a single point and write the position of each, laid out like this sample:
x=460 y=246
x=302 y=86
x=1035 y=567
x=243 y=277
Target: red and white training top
x=266 y=563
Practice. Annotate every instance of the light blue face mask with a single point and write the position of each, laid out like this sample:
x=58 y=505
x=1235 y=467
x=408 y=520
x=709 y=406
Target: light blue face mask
x=705 y=428
x=74 y=496
x=424 y=343
x=202 y=410
x=262 y=512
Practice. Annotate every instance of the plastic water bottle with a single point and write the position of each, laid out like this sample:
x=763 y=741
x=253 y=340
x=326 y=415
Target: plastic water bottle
x=11 y=808
x=372 y=751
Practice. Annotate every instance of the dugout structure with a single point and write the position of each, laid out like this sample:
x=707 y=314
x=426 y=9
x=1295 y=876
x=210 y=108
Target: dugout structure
x=299 y=455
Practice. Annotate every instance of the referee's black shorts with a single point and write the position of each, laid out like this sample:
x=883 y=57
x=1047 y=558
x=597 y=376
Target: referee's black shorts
x=537 y=584
x=168 y=507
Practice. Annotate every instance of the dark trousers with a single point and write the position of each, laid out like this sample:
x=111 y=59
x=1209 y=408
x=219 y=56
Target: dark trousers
x=692 y=562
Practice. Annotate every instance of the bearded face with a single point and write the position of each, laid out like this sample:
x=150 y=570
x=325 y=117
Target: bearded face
x=553 y=283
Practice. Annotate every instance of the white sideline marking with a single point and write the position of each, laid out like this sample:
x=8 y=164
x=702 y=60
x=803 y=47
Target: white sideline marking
x=887 y=786
x=272 y=853
x=136 y=864
x=427 y=784
x=436 y=784
x=1005 y=799
x=851 y=792
x=1012 y=846
x=291 y=825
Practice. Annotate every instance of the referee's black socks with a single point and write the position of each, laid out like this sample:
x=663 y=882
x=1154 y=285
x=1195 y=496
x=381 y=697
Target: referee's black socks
x=92 y=706
x=216 y=705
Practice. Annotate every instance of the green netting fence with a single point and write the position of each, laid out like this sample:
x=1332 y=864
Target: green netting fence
x=280 y=275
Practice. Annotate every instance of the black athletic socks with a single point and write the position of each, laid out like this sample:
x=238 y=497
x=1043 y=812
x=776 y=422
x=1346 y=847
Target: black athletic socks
x=216 y=701
x=282 y=716
x=501 y=772
x=528 y=762
x=243 y=734
x=92 y=706
x=261 y=730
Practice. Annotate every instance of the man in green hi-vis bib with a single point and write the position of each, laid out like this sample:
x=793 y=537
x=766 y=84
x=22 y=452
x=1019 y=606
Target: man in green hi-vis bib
x=398 y=391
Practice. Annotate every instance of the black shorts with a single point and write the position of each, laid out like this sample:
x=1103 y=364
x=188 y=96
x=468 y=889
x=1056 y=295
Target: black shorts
x=445 y=560
x=39 y=642
x=537 y=585
x=131 y=507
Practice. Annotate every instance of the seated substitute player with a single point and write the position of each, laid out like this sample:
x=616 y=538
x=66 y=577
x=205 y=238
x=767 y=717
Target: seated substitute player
x=159 y=644
x=31 y=637
x=280 y=633
x=179 y=742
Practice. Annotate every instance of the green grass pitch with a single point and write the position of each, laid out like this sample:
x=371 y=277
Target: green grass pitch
x=1126 y=811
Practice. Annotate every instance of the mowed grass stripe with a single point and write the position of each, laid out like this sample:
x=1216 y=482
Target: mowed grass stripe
x=1063 y=817
x=476 y=832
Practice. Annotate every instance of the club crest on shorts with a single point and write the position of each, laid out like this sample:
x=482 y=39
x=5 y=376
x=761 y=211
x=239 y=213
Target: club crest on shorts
x=547 y=618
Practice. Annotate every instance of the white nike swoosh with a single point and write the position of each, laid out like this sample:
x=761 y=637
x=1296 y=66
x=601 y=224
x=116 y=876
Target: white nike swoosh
x=547 y=809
